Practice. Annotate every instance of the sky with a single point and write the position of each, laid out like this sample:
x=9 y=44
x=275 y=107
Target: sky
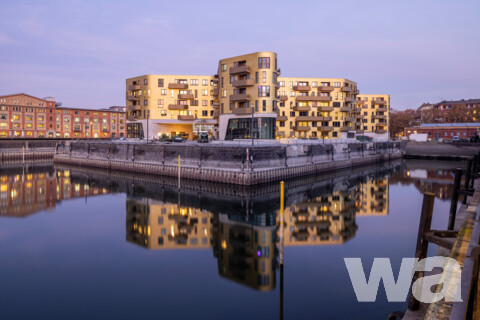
x=81 y=52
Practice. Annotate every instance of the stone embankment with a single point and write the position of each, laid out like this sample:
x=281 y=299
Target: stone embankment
x=240 y=164
x=440 y=151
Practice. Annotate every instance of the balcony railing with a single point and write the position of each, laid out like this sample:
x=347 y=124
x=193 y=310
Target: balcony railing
x=302 y=128
x=215 y=91
x=325 y=88
x=324 y=109
x=177 y=86
x=379 y=116
x=239 y=70
x=282 y=98
x=243 y=83
x=313 y=98
x=239 y=97
x=134 y=108
x=345 y=128
x=134 y=87
x=324 y=128
x=350 y=119
x=382 y=109
x=177 y=107
x=131 y=118
x=282 y=118
x=350 y=99
x=216 y=104
x=346 y=109
x=302 y=88
x=301 y=108
x=347 y=89
x=379 y=101
x=186 y=117
x=132 y=98
x=239 y=111
x=186 y=96
x=380 y=131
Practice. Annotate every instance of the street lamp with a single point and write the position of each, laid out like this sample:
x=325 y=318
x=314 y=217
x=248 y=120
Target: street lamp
x=91 y=130
x=323 y=124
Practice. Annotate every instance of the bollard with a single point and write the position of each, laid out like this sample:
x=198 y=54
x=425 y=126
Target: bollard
x=467 y=179
x=453 y=204
x=422 y=244
x=179 y=172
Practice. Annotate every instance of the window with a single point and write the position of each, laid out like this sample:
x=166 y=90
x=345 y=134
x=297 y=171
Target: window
x=224 y=67
x=282 y=84
x=232 y=78
x=264 y=76
x=160 y=103
x=160 y=83
x=204 y=92
x=204 y=82
x=164 y=92
x=194 y=82
x=336 y=84
x=264 y=91
x=264 y=105
x=145 y=102
x=145 y=81
x=205 y=103
x=204 y=113
x=263 y=63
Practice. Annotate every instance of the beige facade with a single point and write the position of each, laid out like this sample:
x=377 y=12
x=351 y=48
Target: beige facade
x=248 y=97
x=373 y=113
x=316 y=107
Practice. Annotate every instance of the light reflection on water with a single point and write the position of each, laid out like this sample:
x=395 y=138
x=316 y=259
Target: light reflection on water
x=207 y=244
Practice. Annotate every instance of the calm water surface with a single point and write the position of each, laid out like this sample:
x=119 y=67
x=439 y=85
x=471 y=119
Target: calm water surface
x=80 y=244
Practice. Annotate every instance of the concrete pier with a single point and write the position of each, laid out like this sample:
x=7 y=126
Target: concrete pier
x=238 y=164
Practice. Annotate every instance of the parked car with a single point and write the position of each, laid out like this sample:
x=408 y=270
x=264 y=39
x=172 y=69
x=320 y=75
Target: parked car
x=456 y=139
x=364 y=138
x=178 y=139
x=203 y=137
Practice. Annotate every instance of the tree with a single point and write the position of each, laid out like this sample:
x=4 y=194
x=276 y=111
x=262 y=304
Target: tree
x=399 y=120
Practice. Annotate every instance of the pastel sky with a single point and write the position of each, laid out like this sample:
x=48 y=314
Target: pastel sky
x=81 y=52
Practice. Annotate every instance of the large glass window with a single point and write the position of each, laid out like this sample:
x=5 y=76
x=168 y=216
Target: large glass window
x=263 y=128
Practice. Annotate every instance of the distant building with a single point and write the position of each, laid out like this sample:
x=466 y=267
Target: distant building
x=445 y=131
x=439 y=112
x=26 y=116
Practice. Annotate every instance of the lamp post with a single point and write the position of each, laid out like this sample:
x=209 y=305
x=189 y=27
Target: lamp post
x=251 y=129
x=91 y=130
x=148 y=117
x=11 y=127
x=323 y=130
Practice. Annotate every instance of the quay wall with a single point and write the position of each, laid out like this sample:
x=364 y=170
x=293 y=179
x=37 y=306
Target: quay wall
x=243 y=165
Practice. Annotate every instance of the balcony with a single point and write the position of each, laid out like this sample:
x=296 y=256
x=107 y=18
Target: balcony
x=215 y=114
x=134 y=108
x=347 y=89
x=380 y=116
x=239 y=70
x=131 y=118
x=132 y=98
x=360 y=131
x=302 y=128
x=187 y=96
x=240 y=111
x=282 y=118
x=324 y=109
x=215 y=91
x=361 y=102
x=325 y=88
x=239 y=97
x=350 y=99
x=346 y=109
x=379 y=101
x=177 y=107
x=282 y=98
x=380 y=131
x=302 y=88
x=279 y=71
x=382 y=109
x=313 y=98
x=381 y=124
x=312 y=118
x=301 y=108
x=350 y=119
x=281 y=134
x=325 y=128
x=345 y=128
x=177 y=86
x=134 y=87
x=216 y=104
x=243 y=83
x=185 y=117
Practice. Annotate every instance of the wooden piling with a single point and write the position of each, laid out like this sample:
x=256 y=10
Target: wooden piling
x=422 y=244
x=454 y=203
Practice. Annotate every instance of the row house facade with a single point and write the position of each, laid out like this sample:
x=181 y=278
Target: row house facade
x=25 y=116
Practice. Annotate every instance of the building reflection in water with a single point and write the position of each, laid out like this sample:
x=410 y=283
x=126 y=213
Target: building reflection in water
x=25 y=191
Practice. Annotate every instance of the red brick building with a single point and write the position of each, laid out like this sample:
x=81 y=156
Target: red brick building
x=25 y=116
x=445 y=131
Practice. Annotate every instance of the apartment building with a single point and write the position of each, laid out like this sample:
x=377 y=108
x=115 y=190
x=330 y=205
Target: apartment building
x=373 y=112
x=172 y=104
x=316 y=108
x=247 y=97
x=26 y=116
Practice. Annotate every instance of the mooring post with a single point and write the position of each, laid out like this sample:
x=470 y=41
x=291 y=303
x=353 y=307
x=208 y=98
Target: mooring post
x=282 y=205
x=178 y=172
x=474 y=170
x=454 y=203
x=422 y=245
x=23 y=155
x=467 y=179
